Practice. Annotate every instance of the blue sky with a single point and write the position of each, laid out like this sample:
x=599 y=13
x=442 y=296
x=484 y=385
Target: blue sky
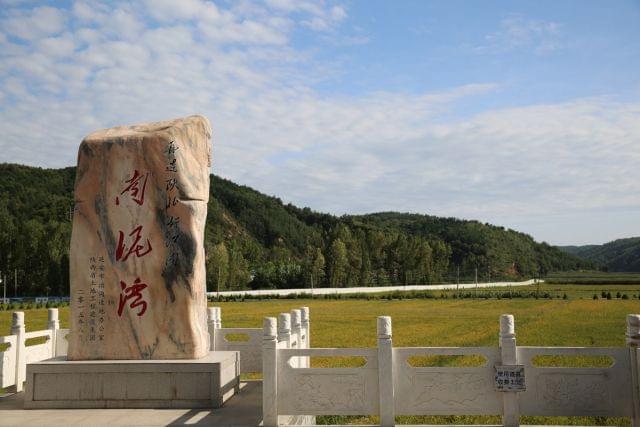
x=522 y=114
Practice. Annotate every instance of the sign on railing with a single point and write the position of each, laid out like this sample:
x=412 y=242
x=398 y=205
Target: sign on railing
x=509 y=378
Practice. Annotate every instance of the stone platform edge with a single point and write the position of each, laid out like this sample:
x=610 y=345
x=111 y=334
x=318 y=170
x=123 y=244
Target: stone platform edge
x=101 y=384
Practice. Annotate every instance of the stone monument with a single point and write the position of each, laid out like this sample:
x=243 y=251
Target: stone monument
x=137 y=256
x=138 y=335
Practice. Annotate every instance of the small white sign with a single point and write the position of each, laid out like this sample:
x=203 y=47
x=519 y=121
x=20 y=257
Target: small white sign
x=42 y=300
x=509 y=378
x=4 y=300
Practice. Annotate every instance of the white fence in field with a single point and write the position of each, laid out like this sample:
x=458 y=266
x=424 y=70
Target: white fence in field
x=509 y=383
x=371 y=289
x=14 y=359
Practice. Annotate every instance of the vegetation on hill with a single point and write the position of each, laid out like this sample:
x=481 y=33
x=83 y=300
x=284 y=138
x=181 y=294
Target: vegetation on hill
x=256 y=241
x=622 y=255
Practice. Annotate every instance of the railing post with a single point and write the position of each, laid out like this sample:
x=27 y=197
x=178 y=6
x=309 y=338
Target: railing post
x=385 y=372
x=633 y=341
x=218 y=317
x=306 y=327
x=269 y=372
x=510 y=405
x=17 y=329
x=211 y=327
x=53 y=324
x=306 y=360
x=296 y=335
x=296 y=327
x=284 y=330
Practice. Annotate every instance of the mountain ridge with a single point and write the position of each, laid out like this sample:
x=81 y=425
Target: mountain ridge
x=620 y=255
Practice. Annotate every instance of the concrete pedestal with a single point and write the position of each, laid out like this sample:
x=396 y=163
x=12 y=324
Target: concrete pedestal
x=199 y=383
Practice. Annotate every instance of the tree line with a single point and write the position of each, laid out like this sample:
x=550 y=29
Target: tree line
x=255 y=241
x=347 y=258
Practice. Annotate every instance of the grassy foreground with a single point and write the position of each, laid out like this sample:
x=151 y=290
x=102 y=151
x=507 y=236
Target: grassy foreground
x=437 y=322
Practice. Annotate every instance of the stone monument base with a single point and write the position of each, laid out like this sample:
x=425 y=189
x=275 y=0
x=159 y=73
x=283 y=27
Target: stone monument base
x=200 y=383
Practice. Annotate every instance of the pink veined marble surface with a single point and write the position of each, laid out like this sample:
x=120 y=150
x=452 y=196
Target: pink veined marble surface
x=137 y=258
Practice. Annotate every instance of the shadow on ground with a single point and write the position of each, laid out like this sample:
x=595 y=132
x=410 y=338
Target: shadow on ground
x=244 y=409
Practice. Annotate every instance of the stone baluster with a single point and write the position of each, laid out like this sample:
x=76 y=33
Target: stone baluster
x=218 y=317
x=296 y=328
x=211 y=327
x=296 y=335
x=306 y=331
x=385 y=372
x=633 y=341
x=53 y=324
x=284 y=341
x=510 y=405
x=270 y=335
x=17 y=329
x=306 y=327
x=284 y=330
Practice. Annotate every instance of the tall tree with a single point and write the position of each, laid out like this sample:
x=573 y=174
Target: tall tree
x=217 y=265
x=317 y=268
x=238 y=276
x=338 y=263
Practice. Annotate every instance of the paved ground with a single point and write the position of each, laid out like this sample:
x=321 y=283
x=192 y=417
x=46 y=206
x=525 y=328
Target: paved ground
x=371 y=289
x=242 y=410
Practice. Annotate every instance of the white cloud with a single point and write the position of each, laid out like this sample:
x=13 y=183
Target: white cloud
x=517 y=32
x=90 y=11
x=273 y=131
x=124 y=24
x=169 y=10
x=35 y=23
x=57 y=46
x=325 y=20
x=246 y=31
x=338 y=13
x=289 y=6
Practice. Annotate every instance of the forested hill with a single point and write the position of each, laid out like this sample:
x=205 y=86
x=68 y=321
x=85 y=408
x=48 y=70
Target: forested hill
x=255 y=241
x=619 y=255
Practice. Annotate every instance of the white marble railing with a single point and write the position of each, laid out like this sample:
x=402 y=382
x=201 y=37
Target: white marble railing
x=14 y=359
x=509 y=382
x=389 y=383
x=250 y=347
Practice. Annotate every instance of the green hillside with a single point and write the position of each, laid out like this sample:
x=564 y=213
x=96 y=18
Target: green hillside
x=474 y=244
x=255 y=241
x=622 y=255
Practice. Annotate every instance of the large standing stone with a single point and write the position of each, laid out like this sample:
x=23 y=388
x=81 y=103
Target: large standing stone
x=137 y=257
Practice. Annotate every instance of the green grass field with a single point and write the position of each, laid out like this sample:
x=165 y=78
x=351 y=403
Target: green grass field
x=576 y=321
x=593 y=277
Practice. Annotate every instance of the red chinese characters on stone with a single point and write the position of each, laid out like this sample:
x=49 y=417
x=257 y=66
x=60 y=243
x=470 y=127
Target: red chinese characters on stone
x=133 y=295
x=122 y=253
x=137 y=193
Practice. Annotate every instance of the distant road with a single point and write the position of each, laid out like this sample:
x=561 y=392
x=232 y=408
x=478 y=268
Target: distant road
x=370 y=290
